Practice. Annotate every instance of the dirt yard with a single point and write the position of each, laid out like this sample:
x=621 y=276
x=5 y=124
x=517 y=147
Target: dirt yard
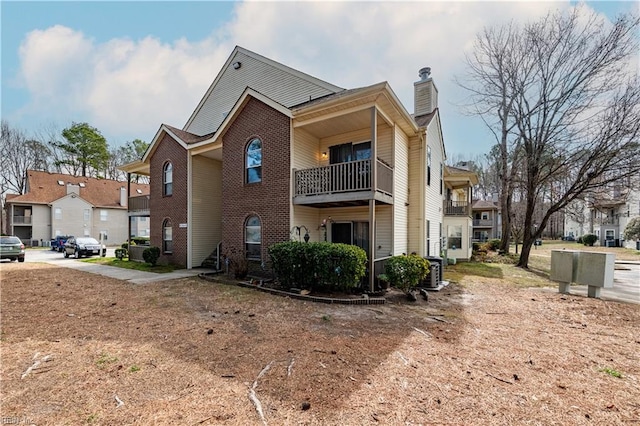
x=79 y=349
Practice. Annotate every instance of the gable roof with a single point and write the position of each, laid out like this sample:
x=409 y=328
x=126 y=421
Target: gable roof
x=282 y=84
x=44 y=188
x=484 y=204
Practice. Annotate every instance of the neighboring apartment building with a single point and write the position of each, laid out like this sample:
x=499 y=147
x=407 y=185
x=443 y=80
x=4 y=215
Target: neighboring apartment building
x=605 y=214
x=487 y=222
x=458 y=183
x=59 y=204
x=271 y=154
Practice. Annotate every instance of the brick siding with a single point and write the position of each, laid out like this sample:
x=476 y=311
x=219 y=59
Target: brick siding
x=269 y=199
x=173 y=207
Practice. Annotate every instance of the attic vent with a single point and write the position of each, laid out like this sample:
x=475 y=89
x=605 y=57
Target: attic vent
x=82 y=185
x=224 y=114
x=139 y=191
x=61 y=182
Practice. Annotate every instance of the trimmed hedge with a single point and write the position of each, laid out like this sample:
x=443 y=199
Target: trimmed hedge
x=151 y=255
x=318 y=265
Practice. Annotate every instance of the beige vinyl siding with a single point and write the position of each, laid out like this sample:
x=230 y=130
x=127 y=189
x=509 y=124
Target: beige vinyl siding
x=309 y=217
x=116 y=226
x=276 y=83
x=384 y=241
x=385 y=143
x=433 y=199
x=206 y=213
x=415 y=219
x=41 y=222
x=464 y=252
x=306 y=153
x=72 y=220
x=401 y=193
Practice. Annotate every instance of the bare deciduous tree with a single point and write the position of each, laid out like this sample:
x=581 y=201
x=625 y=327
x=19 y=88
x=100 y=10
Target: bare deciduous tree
x=562 y=94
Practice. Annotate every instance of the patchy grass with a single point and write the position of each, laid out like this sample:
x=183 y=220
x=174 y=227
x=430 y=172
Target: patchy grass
x=464 y=269
x=612 y=372
x=508 y=273
x=138 y=266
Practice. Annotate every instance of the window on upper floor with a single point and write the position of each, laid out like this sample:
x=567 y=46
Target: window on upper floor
x=253 y=238
x=167 y=179
x=441 y=178
x=104 y=215
x=57 y=213
x=253 y=162
x=87 y=215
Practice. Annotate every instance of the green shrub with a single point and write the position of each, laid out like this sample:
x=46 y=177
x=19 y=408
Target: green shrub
x=121 y=253
x=579 y=240
x=405 y=272
x=589 y=239
x=494 y=244
x=151 y=255
x=318 y=265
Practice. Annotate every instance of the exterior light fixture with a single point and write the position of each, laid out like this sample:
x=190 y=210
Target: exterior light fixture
x=324 y=155
x=237 y=65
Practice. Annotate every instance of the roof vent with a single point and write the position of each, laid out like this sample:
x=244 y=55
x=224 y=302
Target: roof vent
x=82 y=184
x=61 y=182
x=424 y=73
x=139 y=191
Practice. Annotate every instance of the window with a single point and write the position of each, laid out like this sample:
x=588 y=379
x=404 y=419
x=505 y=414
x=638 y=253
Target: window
x=428 y=237
x=609 y=234
x=349 y=152
x=104 y=215
x=485 y=216
x=167 y=179
x=252 y=237
x=57 y=213
x=454 y=237
x=429 y=165
x=167 y=236
x=254 y=161
x=441 y=178
x=87 y=214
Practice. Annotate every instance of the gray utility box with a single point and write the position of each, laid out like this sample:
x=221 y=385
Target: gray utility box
x=595 y=270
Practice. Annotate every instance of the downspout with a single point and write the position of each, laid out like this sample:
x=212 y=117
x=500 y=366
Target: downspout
x=423 y=206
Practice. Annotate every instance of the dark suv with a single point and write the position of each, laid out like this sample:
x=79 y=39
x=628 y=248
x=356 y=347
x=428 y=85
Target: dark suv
x=57 y=243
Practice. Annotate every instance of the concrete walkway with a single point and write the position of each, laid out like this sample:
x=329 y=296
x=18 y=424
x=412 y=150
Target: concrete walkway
x=131 y=275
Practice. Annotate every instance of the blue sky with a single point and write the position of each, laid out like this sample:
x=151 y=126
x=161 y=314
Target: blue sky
x=127 y=67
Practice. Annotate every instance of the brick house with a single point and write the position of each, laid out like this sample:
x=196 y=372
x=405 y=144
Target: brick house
x=271 y=154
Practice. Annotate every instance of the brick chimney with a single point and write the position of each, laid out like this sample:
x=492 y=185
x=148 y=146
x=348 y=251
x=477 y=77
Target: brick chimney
x=425 y=93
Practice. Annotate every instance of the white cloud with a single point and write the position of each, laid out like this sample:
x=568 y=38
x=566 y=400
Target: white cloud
x=126 y=88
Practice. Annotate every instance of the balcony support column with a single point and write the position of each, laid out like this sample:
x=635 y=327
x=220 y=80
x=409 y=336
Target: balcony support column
x=372 y=202
x=128 y=207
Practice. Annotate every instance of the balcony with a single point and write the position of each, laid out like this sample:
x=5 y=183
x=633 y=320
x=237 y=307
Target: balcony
x=343 y=184
x=483 y=223
x=457 y=208
x=607 y=221
x=21 y=220
x=139 y=205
